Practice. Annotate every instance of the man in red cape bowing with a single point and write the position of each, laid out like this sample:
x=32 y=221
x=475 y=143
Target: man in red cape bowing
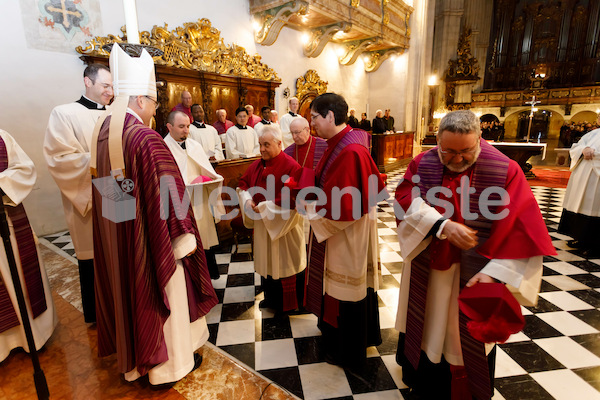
x=153 y=287
x=466 y=215
x=268 y=207
x=344 y=274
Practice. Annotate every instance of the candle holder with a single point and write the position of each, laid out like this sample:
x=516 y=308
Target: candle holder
x=135 y=50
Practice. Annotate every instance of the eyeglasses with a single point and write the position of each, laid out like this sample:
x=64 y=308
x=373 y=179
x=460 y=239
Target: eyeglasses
x=313 y=116
x=463 y=153
x=156 y=105
x=298 y=132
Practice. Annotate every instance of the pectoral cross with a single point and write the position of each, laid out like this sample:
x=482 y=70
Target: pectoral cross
x=533 y=102
x=65 y=13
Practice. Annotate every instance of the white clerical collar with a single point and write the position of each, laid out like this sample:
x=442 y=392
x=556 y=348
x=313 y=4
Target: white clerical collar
x=130 y=111
x=98 y=105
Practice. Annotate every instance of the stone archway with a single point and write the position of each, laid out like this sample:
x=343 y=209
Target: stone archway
x=584 y=116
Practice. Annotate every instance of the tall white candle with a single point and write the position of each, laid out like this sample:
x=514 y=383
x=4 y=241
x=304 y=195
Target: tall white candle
x=131 y=23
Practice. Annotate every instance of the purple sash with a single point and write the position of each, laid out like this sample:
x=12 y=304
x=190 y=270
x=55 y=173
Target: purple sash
x=30 y=266
x=490 y=169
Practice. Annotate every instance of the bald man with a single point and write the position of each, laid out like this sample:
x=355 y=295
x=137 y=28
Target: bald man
x=307 y=150
x=186 y=104
x=286 y=120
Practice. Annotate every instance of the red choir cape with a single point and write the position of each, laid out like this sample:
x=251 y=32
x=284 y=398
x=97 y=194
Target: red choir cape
x=315 y=147
x=522 y=234
x=186 y=110
x=222 y=127
x=255 y=119
x=351 y=168
x=134 y=259
x=257 y=173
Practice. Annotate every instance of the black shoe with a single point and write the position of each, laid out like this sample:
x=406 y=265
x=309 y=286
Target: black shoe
x=574 y=243
x=197 y=361
x=265 y=304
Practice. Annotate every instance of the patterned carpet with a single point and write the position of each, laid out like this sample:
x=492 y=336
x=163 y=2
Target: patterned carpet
x=556 y=356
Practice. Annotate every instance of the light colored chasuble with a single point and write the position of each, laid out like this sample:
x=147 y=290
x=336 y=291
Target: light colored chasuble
x=284 y=125
x=583 y=190
x=279 y=245
x=192 y=162
x=351 y=262
x=241 y=142
x=440 y=330
x=67 y=152
x=182 y=337
x=209 y=140
x=17 y=181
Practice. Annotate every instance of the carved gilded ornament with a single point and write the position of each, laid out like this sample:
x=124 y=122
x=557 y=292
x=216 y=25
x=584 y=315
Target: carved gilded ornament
x=355 y=3
x=195 y=45
x=465 y=67
x=355 y=49
x=557 y=94
x=479 y=97
x=273 y=20
x=310 y=84
x=376 y=58
x=321 y=36
x=582 y=93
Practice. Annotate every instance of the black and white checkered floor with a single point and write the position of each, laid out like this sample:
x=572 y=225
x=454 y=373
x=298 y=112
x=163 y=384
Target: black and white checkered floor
x=557 y=356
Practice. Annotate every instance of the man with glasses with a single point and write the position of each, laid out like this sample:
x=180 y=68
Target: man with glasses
x=466 y=215
x=307 y=150
x=153 y=285
x=67 y=147
x=344 y=275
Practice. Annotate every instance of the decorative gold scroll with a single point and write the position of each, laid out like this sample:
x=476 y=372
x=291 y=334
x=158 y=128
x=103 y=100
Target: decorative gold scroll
x=195 y=45
x=310 y=85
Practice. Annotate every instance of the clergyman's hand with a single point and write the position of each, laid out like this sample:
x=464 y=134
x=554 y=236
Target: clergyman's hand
x=479 y=277
x=460 y=235
x=588 y=153
x=251 y=205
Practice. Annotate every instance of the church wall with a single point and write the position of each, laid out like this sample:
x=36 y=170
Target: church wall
x=34 y=81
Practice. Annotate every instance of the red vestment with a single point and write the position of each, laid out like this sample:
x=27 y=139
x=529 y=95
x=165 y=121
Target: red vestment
x=222 y=127
x=257 y=173
x=255 y=119
x=134 y=259
x=184 y=109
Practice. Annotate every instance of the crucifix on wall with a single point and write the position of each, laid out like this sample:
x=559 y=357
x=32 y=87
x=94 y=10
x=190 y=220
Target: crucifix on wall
x=533 y=102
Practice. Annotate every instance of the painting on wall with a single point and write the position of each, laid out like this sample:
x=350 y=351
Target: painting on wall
x=60 y=25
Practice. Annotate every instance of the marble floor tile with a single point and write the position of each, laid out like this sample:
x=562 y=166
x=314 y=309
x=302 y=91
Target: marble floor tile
x=565 y=283
x=304 y=325
x=565 y=385
x=566 y=323
x=323 y=381
x=245 y=267
x=383 y=395
x=564 y=268
x=239 y=294
x=566 y=301
x=235 y=332
x=273 y=354
x=386 y=257
x=506 y=366
x=568 y=352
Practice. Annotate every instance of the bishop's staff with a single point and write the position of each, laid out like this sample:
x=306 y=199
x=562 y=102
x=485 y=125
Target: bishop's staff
x=39 y=378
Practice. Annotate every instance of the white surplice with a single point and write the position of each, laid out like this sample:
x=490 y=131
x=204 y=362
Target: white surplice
x=17 y=181
x=241 y=142
x=209 y=139
x=279 y=245
x=441 y=331
x=67 y=151
x=583 y=190
x=351 y=254
x=193 y=162
x=284 y=125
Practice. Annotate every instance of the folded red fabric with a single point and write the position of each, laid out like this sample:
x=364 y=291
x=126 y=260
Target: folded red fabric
x=494 y=312
x=201 y=179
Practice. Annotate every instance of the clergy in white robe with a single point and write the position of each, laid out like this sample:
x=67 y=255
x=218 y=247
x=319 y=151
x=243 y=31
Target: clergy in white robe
x=286 y=119
x=206 y=135
x=193 y=163
x=16 y=181
x=241 y=140
x=67 y=151
x=446 y=247
x=581 y=214
x=279 y=245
